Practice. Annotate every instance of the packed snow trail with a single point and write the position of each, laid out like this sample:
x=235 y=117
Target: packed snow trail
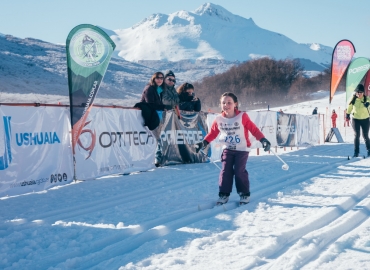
x=152 y=220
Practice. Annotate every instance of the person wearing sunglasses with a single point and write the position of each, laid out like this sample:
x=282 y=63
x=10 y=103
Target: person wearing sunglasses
x=150 y=103
x=152 y=93
x=170 y=97
x=188 y=100
x=358 y=107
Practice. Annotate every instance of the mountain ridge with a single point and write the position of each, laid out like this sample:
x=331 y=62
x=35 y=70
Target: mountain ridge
x=210 y=31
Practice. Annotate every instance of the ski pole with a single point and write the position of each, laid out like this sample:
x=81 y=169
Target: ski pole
x=285 y=167
x=214 y=163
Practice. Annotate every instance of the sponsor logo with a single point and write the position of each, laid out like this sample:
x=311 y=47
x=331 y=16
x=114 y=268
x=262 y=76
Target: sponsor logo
x=29 y=182
x=37 y=138
x=58 y=177
x=344 y=53
x=128 y=138
x=5 y=143
x=181 y=136
x=88 y=48
x=87 y=140
x=359 y=69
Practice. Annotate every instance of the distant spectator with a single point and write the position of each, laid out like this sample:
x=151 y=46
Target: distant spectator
x=334 y=119
x=314 y=111
x=188 y=100
x=281 y=111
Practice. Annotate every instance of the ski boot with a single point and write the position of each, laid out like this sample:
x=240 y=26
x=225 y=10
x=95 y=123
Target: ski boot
x=244 y=199
x=223 y=198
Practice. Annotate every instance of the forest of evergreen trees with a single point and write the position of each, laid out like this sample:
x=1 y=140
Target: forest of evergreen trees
x=262 y=82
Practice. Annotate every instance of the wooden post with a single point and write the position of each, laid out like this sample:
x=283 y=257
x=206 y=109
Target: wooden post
x=323 y=127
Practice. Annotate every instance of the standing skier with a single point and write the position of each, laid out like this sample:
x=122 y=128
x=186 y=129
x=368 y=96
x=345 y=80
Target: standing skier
x=358 y=107
x=233 y=126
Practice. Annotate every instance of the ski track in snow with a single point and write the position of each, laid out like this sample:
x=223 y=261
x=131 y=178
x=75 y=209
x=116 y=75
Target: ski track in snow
x=307 y=243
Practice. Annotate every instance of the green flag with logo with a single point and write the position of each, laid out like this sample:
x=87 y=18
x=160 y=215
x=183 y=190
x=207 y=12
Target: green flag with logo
x=356 y=71
x=89 y=50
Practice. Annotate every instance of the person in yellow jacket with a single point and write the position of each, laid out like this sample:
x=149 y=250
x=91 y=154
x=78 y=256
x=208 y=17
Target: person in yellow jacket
x=358 y=107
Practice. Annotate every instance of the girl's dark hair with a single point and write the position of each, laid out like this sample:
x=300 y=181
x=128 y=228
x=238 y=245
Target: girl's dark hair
x=353 y=100
x=232 y=95
x=185 y=86
x=152 y=79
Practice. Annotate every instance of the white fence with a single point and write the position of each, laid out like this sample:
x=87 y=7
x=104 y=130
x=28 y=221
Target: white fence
x=36 y=154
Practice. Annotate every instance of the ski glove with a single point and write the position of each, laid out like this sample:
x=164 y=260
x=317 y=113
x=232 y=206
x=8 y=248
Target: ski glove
x=265 y=144
x=366 y=104
x=201 y=146
x=348 y=117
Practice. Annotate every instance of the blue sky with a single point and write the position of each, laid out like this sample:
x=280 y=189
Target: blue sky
x=324 y=22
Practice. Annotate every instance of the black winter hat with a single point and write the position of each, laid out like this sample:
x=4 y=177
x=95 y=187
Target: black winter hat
x=360 y=88
x=169 y=73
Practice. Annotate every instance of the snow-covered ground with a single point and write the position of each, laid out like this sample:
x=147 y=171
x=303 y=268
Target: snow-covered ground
x=313 y=216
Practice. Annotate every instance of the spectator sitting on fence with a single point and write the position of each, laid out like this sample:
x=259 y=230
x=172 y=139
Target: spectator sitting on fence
x=188 y=100
x=170 y=97
x=151 y=101
x=314 y=111
x=334 y=119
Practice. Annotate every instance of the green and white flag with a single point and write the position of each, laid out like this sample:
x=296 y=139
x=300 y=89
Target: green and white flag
x=89 y=50
x=356 y=72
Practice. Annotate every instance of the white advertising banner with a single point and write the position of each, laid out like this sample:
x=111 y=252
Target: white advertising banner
x=35 y=149
x=308 y=130
x=266 y=122
x=113 y=141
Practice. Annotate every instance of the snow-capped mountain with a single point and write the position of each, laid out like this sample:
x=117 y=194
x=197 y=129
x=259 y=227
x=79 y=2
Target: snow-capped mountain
x=210 y=31
x=207 y=41
x=31 y=70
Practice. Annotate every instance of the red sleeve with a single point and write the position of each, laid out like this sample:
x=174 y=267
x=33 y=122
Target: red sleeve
x=250 y=126
x=213 y=133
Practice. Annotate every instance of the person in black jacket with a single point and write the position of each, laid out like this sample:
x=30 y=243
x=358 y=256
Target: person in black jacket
x=314 y=111
x=188 y=100
x=151 y=101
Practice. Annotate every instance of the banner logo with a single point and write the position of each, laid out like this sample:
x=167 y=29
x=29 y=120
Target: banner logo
x=344 y=53
x=88 y=48
x=90 y=141
x=5 y=142
x=359 y=69
x=38 y=138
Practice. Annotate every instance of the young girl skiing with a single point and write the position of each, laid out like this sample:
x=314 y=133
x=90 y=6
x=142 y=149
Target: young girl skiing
x=233 y=126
